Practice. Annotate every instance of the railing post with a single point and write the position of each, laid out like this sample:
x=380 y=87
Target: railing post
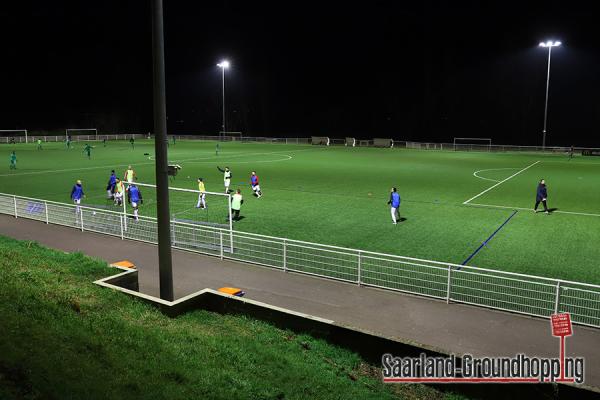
x=557 y=300
x=46 y=208
x=359 y=265
x=221 y=243
x=448 y=286
x=15 y=201
x=81 y=217
x=122 y=230
x=284 y=255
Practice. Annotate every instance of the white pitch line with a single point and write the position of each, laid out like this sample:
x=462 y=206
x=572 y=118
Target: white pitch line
x=501 y=182
x=491 y=169
x=530 y=209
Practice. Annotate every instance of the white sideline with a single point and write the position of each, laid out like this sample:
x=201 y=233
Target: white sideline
x=501 y=182
x=530 y=209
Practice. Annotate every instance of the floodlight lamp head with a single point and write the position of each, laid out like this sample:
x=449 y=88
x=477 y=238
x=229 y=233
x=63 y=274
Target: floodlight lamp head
x=542 y=44
x=223 y=64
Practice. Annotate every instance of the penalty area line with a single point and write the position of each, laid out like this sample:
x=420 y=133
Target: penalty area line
x=501 y=182
x=531 y=209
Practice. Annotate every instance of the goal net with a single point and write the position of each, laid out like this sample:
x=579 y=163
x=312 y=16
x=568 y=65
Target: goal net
x=481 y=144
x=350 y=141
x=230 y=135
x=320 y=140
x=81 y=134
x=378 y=142
x=13 y=135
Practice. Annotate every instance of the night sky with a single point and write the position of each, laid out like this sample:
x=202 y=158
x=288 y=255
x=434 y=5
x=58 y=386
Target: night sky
x=424 y=70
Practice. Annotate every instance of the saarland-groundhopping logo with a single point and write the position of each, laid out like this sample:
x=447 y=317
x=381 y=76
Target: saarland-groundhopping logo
x=470 y=369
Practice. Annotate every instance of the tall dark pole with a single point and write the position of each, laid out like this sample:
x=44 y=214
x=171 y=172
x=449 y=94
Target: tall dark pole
x=165 y=267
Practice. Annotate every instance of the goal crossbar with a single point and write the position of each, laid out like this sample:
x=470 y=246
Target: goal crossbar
x=80 y=130
x=15 y=130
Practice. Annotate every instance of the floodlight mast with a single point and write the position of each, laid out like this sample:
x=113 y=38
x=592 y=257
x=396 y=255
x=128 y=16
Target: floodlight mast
x=223 y=65
x=549 y=44
x=165 y=266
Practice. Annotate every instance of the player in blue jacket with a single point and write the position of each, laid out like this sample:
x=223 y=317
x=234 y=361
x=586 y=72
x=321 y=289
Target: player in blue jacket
x=394 y=205
x=77 y=194
x=135 y=198
x=110 y=187
x=541 y=196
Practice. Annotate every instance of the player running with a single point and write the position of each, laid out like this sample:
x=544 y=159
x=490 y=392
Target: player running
x=110 y=187
x=13 y=160
x=202 y=195
x=88 y=150
x=395 y=205
x=255 y=185
x=135 y=199
x=226 y=178
x=118 y=191
x=541 y=196
x=129 y=175
x=77 y=194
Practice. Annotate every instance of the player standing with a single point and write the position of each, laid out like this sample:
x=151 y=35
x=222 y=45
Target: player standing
x=119 y=190
x=77 y=194
x=135 y=198
x=394 y=205
x=217 y=149
x=132 y=142
x=104 y=142
x=88 y=149
x=255 y=185
x=129 y=175
x=541 y=196
x=202 y=195
x=68 y=142
x=110 y=188
x=236 y=204
x=39 y=144
x=13 y=160
x=226 y=178
x=571 y=151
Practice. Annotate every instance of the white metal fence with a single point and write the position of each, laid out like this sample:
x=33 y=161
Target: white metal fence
x=74 y=138
x=525 y=294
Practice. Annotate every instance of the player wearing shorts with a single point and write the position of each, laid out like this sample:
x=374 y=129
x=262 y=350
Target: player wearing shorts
x=255 y=185
x=135 y=199
x=77 y=194
x=118 y=191
x=202 y=195
x=13 y=160
x=129 y=175
x=110 y=187
x=226 y=178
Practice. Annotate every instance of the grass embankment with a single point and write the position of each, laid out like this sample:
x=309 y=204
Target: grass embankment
x=64 y=337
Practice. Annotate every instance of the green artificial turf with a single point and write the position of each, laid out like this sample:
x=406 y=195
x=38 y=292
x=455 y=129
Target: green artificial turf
x=65 y=338
x=338 y=195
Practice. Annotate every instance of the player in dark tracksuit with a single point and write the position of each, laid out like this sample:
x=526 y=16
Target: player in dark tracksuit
x=541 y=196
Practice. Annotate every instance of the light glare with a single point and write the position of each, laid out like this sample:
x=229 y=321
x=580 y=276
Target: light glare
x=223 y=64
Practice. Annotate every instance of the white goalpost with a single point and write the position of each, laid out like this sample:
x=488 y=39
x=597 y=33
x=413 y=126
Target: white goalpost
x=12 y=133
x=70 y=130
x=183 y=207
x=461 y=143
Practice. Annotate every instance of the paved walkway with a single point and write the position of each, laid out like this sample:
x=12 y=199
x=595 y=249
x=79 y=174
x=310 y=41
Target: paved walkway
x=450 y=328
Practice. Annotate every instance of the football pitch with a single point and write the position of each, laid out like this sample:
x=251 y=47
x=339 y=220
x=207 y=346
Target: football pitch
x=452 y=202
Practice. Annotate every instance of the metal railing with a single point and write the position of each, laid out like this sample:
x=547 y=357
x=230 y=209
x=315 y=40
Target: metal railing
x=74 y=138
x=508 y=291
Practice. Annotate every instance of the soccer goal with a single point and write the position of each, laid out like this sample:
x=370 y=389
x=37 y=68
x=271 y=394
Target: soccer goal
x=80 y=132
x=193 y=223
x=13 y=135
x=350 y=142
x=481 y=144
x=320 y=140
x=230 y=135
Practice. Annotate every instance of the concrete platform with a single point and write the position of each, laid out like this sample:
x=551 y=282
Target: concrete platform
x=448 y=328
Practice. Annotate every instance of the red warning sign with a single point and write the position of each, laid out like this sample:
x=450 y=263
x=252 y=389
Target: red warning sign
x=561 y=324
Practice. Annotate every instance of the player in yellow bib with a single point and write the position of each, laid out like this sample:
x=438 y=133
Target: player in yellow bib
x=130 y=175
x=118 y=192
x=202 y=195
